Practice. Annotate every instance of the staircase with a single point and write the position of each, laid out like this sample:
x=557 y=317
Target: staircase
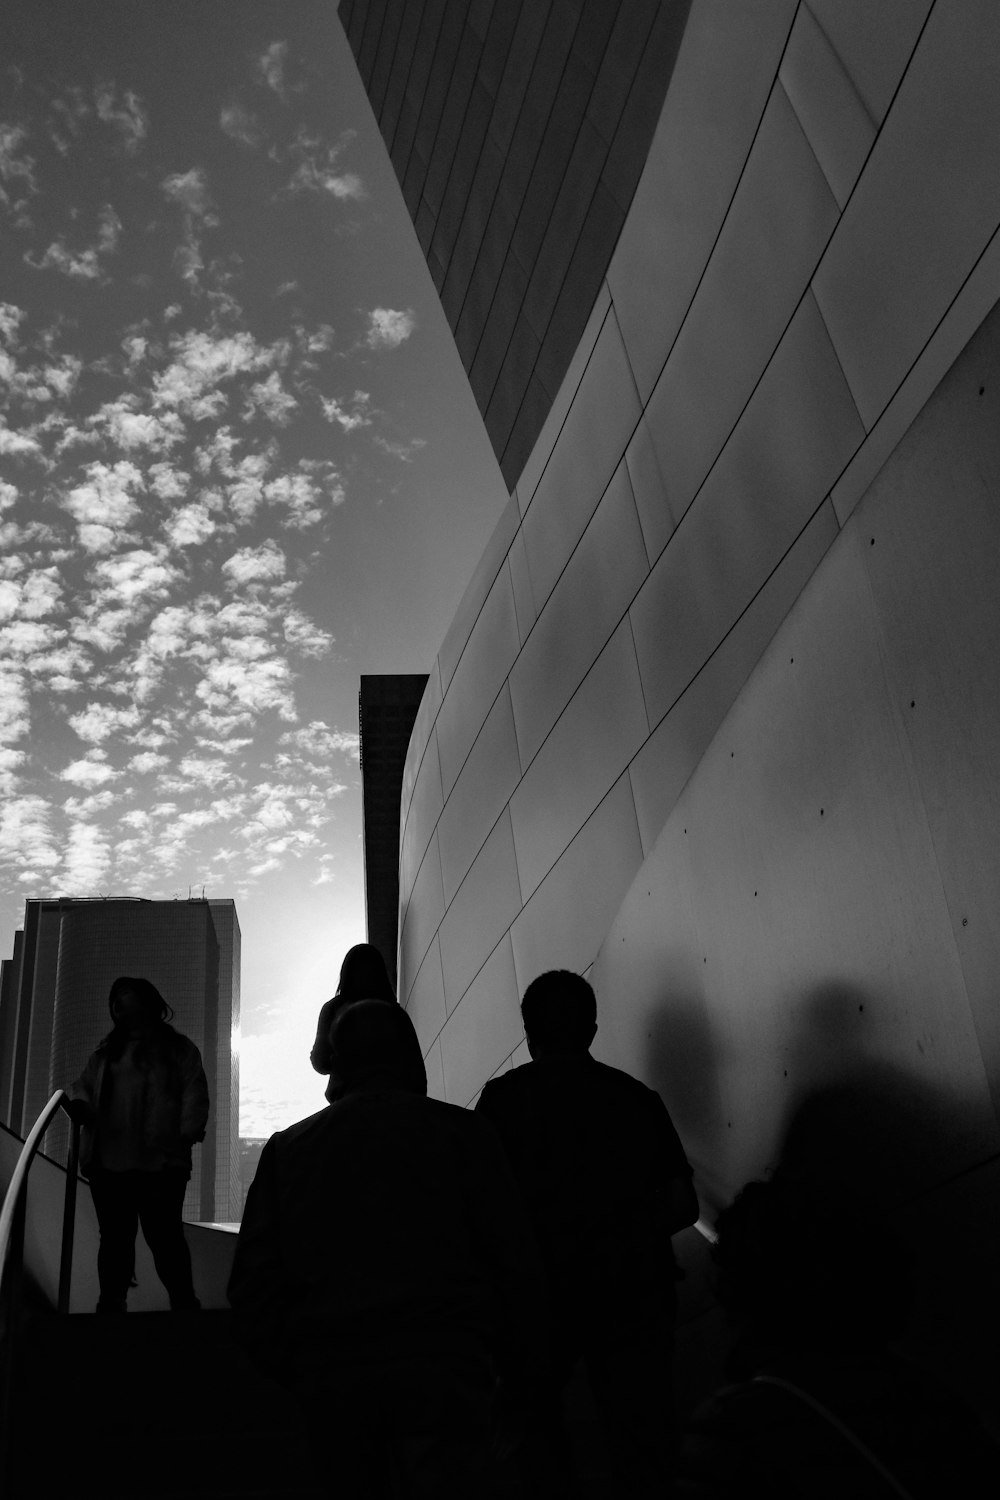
x=150 y=1404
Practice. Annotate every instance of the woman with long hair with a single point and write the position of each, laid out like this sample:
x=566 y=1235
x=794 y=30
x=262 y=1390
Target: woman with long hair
x=363 y=976
x=142 y=1100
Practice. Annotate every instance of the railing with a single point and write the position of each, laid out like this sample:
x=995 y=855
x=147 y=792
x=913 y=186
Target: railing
x=12 y=1221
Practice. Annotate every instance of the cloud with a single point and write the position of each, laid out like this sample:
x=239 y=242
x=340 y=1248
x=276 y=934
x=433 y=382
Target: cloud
x=240 y=125
x=100 y=721
x=146 y=761
x=82 y=265
x=17 y=443
x=126 y=113
x=263 y=564
x=105 y=505
x=299 y=495
x=16 y=166
x=89 y=772
x=201 y=363
x=26 y=838
x=190 y=190
x=313 y=177
x=269 y=398
x=88 y=857
x=358 y=416
x=403 y=451
x=191 y=525
x=318 y=741
x=131 y=429
x=388 y=328
x=271 y=67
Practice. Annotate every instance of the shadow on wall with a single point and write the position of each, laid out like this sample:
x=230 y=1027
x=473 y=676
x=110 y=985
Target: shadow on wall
x=890 y=1134
x=683 y=1064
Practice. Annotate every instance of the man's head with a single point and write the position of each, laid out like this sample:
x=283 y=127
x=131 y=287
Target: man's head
x=374 y=1045
x=559 y=1012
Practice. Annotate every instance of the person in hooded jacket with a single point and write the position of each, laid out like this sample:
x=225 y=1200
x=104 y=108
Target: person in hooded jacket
x=142 y=1100
x=363 y=976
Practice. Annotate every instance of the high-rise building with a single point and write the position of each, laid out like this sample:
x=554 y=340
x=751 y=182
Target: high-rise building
x=387 y=708
x=53 y=1012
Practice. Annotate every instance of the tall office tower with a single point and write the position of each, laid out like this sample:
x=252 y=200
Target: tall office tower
x=387 y=707
x=53 y=1012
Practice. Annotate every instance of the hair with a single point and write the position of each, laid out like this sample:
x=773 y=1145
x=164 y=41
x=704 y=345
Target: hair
x=559 y=1009
x=799 y=1263
x=363 y=975
x=373 y=1041
x=159 y=1043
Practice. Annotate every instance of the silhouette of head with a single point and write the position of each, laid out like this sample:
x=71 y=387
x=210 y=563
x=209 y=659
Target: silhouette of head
x=559 y=1012
x=363 y=975
x=137 y=1003
x=799 y=1266
x=374 y=1045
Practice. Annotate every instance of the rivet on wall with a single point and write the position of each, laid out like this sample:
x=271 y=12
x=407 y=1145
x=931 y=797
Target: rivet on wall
x=873 y=541
x=982 y=388
x=913 y=702
x=821 y=812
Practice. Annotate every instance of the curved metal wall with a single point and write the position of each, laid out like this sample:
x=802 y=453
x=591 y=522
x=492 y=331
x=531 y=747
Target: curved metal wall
x=810 y=247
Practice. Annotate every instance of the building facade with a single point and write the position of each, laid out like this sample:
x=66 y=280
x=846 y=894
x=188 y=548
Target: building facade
x=54 y=1011
x=716 y=720
x=387 y=707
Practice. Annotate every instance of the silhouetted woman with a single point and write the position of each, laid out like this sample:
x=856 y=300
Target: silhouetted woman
x=143 y=1102
x=363 y=976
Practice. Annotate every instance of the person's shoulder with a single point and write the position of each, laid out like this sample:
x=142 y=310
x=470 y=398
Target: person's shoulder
x=513 y=1083
x=625 y=1084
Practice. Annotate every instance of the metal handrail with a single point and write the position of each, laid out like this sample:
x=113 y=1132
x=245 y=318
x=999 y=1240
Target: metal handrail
x=12 y=1213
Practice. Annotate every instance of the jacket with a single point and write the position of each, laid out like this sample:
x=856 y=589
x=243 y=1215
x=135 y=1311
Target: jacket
x=175 y=1104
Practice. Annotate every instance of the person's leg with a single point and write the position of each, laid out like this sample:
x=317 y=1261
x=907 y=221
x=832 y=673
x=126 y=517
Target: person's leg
x=443 y=1423
x=115 y=1204
x=160 y=1202
x=631 y=1382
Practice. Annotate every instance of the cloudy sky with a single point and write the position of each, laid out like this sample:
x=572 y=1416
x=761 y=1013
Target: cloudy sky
x=239 y=467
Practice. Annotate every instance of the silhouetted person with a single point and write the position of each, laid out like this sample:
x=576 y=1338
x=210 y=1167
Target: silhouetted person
x=386 y=1272
x=363 y=976
x=816 y=1290
x=143 y=1102
x=607 y=1183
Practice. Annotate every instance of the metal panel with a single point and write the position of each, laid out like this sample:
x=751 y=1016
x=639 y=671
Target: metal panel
x=486 y=660
x=486 y=903
x=719 y=87
x=477 y=590
x=484 y=1029
x=768 y=248
x=524 y=599
x=874 y=42
x=424 y=809
x=420 y=917
x=594 y=740
x=561 y=927
x=972 y=303
x=598 y=425
x=599 y=583
x=425 y=1003
x=532 y=471
x=929 y=535
x=829 y=107
x=675 y=747
x=795 y=437
x=924 y=209
x=481 y=792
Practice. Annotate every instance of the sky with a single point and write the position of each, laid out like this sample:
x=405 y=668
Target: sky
x=240 y=465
